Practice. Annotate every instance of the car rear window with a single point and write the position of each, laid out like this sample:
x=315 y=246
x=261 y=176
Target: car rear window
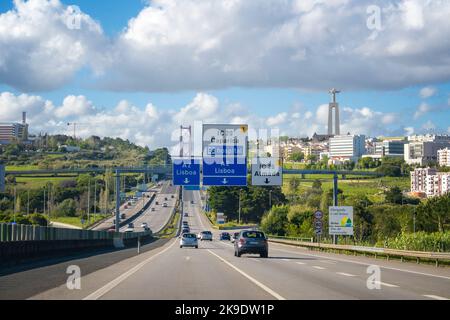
x=253 y=235
x=189 y=235
x=206 y=232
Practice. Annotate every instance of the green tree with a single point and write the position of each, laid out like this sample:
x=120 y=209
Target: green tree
x=297 y=156
x=274 y=222
x=67 y=208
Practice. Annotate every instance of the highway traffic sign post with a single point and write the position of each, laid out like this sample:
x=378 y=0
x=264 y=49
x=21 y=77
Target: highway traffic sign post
x=318 y=224
x=225 y=155
x=186 y=172
x=267 y=172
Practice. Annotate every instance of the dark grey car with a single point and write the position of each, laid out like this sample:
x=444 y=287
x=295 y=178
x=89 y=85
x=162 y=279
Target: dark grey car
x=251 y=242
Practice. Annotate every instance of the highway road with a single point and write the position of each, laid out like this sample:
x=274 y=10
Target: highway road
x=157 y=219
x=212 y=272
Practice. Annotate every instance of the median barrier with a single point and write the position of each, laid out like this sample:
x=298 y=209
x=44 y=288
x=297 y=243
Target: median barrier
x=19 y=242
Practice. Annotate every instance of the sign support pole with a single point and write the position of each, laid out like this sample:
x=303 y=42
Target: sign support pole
x=335 y=198
x=117 y=201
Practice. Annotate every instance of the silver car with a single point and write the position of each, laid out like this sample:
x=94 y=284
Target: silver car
x=205 y=235
x=188 y=240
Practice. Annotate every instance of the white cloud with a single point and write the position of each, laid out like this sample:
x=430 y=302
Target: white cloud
x=422 y=109
x=413 y=16
x=427 y=92
x=39 y=51
x=199 y=45
x=156 y=127
x=277 y=120
x=409 y=131
x=429 y=126
x=74 y=106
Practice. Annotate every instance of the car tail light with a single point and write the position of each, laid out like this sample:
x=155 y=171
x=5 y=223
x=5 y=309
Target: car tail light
x=242 y=241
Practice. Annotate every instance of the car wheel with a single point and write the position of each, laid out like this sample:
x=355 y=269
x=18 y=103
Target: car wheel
x=264 y=254
x=235 y=253
x=196 y=247
x=238 y=254
x=181 y=247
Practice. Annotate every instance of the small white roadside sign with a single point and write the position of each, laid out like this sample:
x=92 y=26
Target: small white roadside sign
x=340 y=221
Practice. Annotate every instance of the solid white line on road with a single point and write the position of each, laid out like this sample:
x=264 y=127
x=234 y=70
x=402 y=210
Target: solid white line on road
x=361 y=263
x=259 y=284
x=345 y=274
x=387 y=284
x=435 y=297
x=111 y=285
x=301 y=263
x=286 y=260
x=254 y=259
x=318 y=268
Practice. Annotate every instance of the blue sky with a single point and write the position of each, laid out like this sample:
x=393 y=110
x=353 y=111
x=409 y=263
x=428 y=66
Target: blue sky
x=265 y=94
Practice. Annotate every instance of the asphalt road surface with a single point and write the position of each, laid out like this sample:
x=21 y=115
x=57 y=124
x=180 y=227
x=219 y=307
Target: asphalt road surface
x=213 y=272
x=157 y=215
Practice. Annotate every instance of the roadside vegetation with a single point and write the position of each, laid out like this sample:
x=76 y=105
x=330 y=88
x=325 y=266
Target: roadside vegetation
x=384 y=215
x=70 y=198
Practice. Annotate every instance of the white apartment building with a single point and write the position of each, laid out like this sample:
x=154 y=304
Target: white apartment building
x=422 y=150
x=429 y=182
x=418 y=179
x=347 y=147
x=443 y=157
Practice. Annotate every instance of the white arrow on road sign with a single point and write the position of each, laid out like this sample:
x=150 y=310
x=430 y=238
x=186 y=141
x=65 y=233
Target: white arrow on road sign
x=225 y=181
x=186 y=180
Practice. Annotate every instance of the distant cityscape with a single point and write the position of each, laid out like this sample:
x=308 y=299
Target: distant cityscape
x=427 y=152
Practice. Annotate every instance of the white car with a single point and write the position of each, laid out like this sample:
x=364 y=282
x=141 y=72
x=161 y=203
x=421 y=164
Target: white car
x=144 y=225
x=188 y=240
x=205 y=235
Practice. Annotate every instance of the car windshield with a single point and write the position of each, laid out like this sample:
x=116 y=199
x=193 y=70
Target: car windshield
x=253 y=235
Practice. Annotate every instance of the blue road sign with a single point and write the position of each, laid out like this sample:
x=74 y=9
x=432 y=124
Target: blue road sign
x=225 y=181
x=223 y=167
x=186 y=172
x=223 y=171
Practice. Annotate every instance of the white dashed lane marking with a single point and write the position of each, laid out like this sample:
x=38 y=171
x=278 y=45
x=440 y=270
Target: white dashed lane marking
x=345 y=274
x=318 y=267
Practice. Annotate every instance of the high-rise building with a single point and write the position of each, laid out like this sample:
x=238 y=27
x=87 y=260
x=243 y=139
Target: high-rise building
x=347 y=147
x=429 y=182
x=443 y=157
x=423 y=149
x=334 y=106
x=390 y=148
x=14 y=131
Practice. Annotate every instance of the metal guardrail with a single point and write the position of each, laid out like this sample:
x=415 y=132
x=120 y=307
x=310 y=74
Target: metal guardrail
x=418 y=255
x=293 y=238
x=12 y=233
